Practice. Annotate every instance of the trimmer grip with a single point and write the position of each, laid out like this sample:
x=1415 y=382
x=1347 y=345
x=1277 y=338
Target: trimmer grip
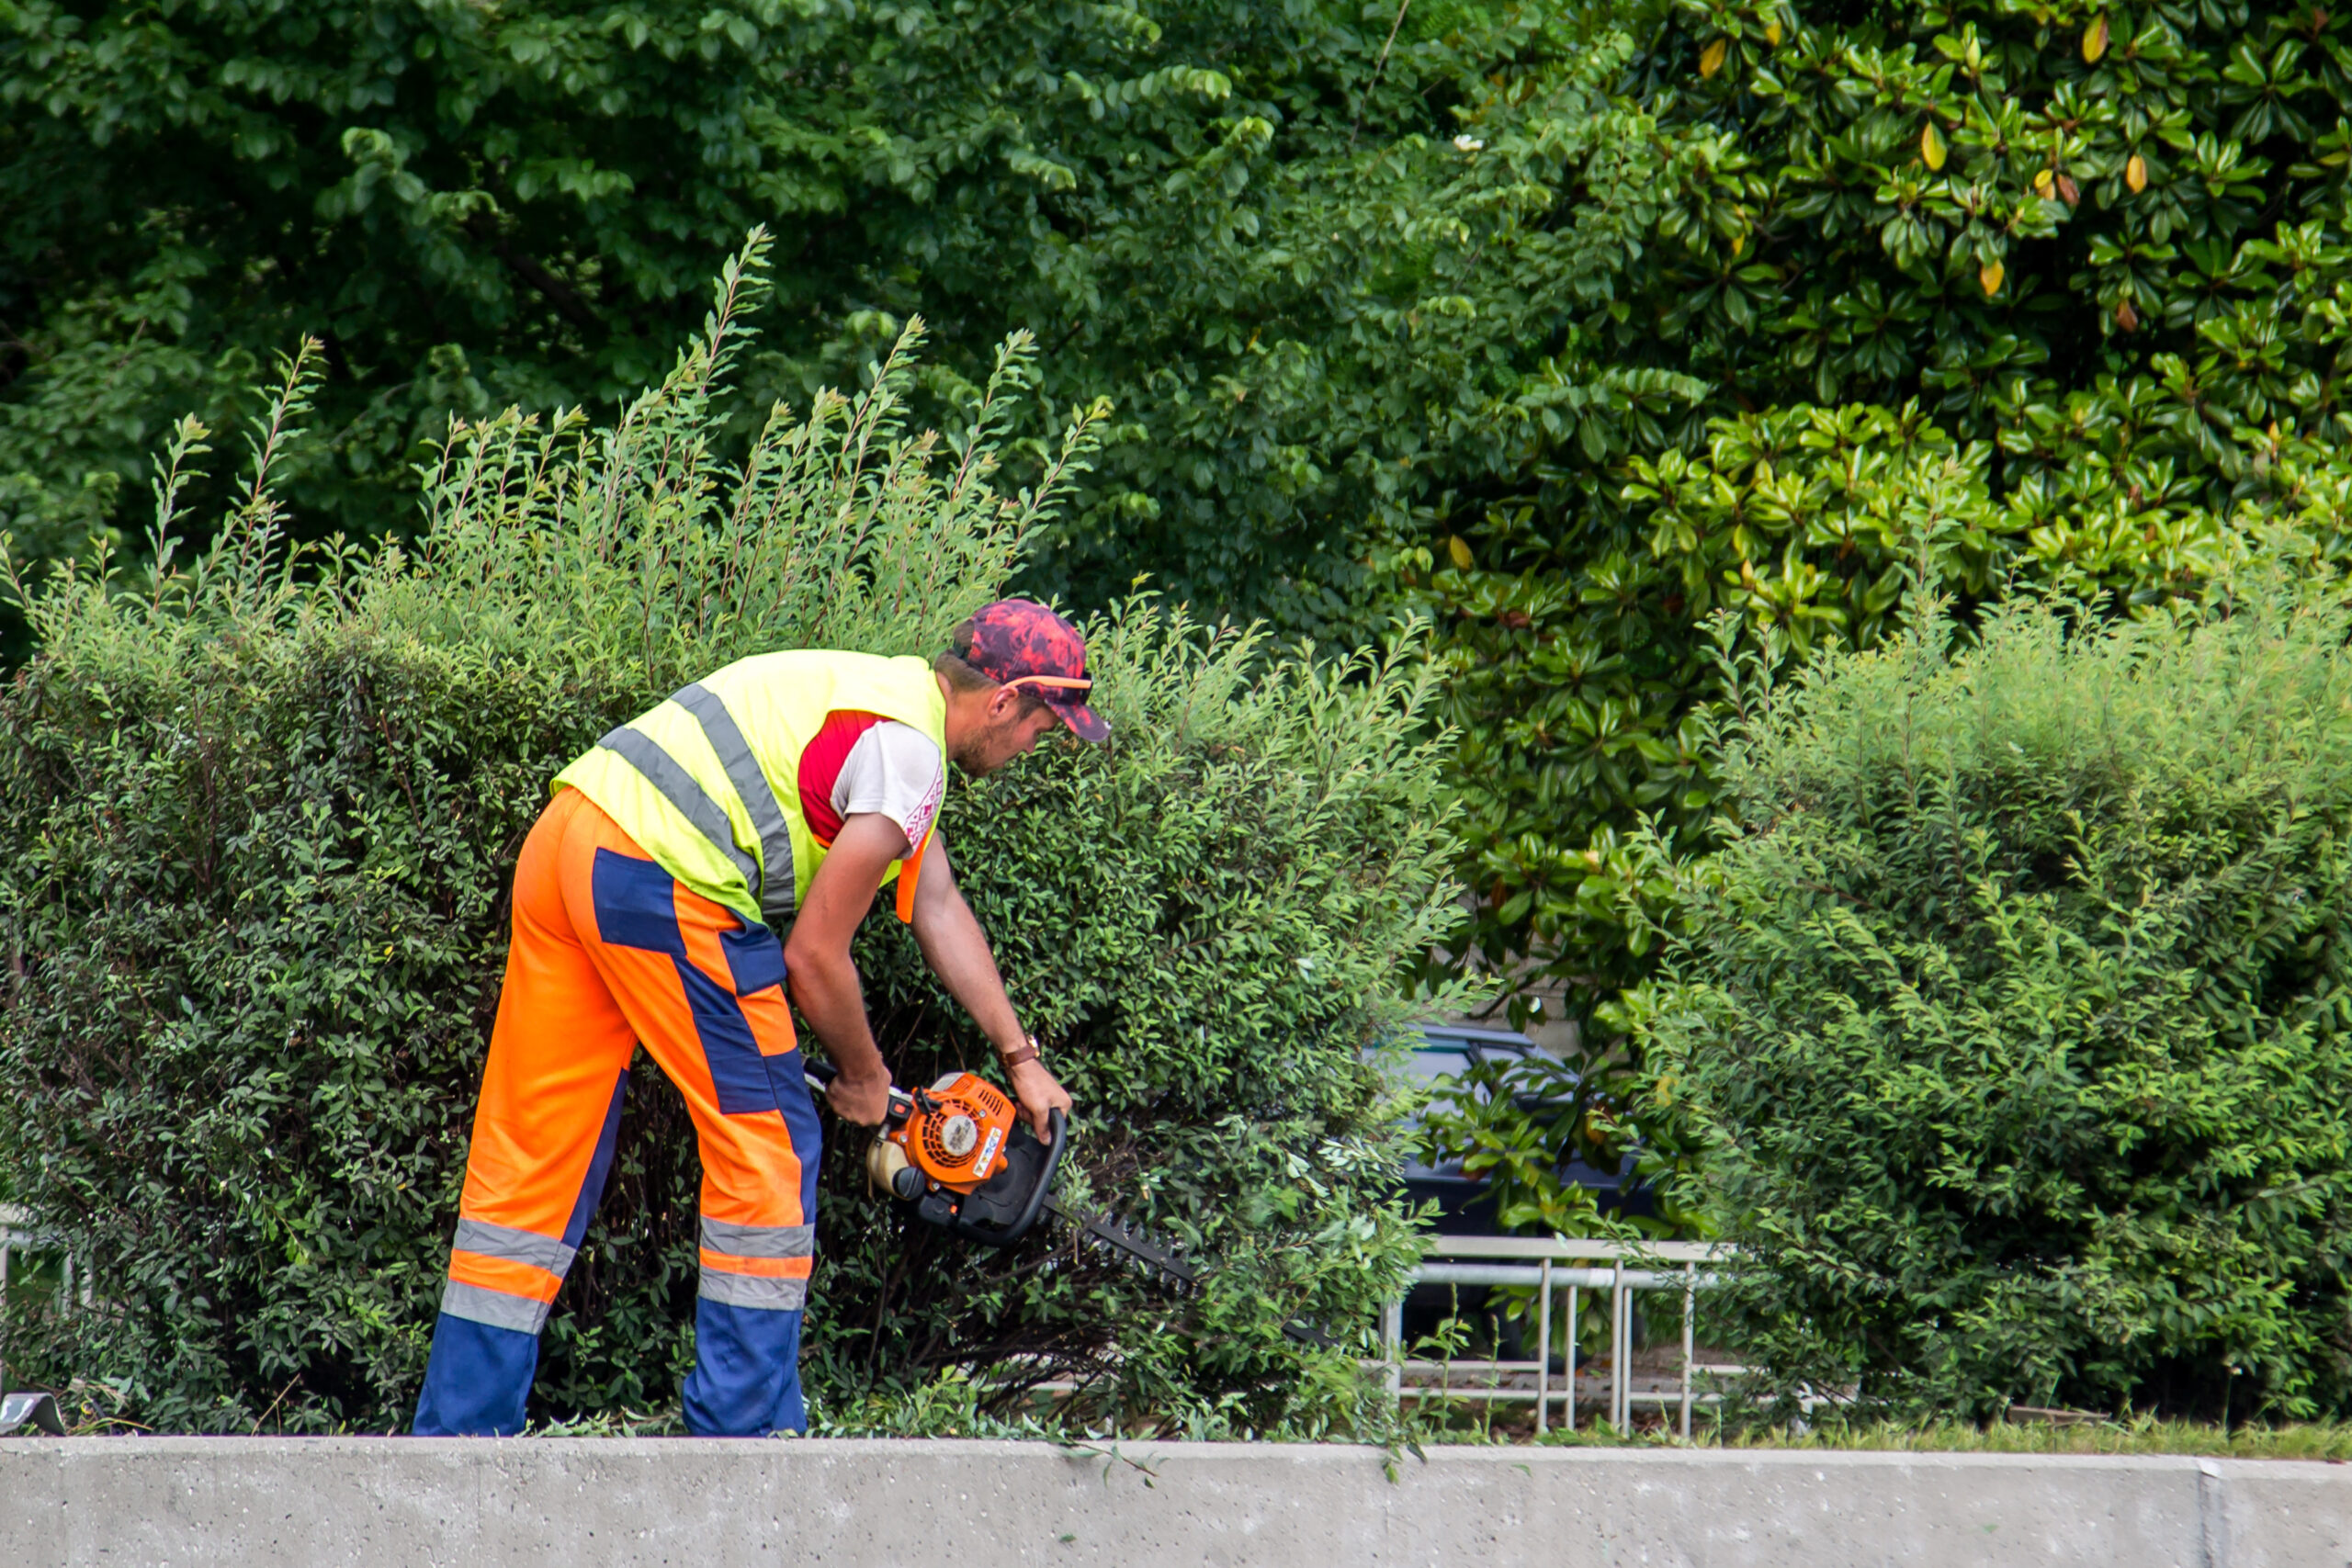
x=819 y=1076
x=1058 y=1126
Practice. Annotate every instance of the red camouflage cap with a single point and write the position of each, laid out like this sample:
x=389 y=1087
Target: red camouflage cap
x=1018 y=642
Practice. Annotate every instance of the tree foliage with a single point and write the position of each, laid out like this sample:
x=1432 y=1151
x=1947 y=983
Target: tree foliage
x=2067 y=280
x=2013 y=1014
x=1248 y=225
x=259 y=814
x=1573 y=327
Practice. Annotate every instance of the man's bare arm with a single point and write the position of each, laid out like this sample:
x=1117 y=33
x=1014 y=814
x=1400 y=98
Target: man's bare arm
x=818 y=967
x=957 y=951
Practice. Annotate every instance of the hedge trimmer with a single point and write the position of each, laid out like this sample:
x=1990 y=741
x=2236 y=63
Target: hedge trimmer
x=960 y=1156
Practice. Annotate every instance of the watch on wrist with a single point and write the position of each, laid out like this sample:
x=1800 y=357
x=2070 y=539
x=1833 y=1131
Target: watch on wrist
x=1025 y=1052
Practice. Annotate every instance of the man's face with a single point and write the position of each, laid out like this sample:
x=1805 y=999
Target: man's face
x=1007 y=734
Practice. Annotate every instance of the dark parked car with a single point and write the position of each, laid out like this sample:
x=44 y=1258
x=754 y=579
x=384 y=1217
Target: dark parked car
x=1465 y=1207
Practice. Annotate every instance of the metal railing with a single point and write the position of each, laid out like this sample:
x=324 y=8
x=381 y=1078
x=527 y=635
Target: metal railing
x=16 y=1235
x=1552 y=1265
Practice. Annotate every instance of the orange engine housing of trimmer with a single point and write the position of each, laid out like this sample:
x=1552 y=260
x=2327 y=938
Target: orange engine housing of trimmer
x=954 y=1132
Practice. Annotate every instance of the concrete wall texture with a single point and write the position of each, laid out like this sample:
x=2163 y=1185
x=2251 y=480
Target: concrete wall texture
x=695 y=1504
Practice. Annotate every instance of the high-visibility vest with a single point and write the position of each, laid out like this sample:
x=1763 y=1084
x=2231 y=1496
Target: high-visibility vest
x=708 y=783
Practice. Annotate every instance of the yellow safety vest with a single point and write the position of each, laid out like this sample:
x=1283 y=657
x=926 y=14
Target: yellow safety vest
x=708 y=783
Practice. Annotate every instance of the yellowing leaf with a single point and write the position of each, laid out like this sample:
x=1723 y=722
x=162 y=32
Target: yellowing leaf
x=1931 y=146
x=2135 y=173
x=1711 y=59
x=2095 y=42
x=2042 y=182
x=1772 y=33
x=1459 y=551
x=1990 y=275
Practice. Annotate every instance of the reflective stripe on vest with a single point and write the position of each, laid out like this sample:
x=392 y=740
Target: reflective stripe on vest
x=706 y=782
x=774 y=886
x=677 y=785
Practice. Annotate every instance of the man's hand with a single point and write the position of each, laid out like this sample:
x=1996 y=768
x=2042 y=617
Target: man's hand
x=864 y=1099
x=1039 y=1095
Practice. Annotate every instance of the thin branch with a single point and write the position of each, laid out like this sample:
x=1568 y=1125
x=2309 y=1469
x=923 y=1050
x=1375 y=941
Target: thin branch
x=1377 y=67
x=569 y=302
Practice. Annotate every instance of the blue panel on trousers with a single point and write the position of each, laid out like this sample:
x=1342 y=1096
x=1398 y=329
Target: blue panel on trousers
x=754 y=957
x=637 y=904
x=746 y=1382
x=737 y=1070
x=790 y=1075
x=477 y=1378
x=600 y=1166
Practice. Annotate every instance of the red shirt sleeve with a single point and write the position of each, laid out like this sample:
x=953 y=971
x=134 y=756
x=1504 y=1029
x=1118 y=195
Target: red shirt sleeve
x=821 y=769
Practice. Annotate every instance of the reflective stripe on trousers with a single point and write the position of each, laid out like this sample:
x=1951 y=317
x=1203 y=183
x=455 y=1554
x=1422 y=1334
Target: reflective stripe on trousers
x=495 y=1244
x=757 y=1266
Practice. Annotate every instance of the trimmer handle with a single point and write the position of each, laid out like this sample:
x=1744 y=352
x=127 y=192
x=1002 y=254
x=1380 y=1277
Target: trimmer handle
x=820 y=1077
x=1058 y=1126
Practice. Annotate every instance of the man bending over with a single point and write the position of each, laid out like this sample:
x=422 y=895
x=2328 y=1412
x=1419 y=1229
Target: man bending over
x=782 y=791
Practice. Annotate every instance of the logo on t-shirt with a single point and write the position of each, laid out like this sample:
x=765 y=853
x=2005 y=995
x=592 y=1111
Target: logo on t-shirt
x=919 y=820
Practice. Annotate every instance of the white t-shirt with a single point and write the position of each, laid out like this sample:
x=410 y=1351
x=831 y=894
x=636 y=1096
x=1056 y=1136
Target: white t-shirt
x=895 y=771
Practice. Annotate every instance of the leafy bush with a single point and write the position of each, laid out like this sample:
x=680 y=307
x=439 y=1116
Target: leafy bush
x=258 y=819
x=2014 y=1012
x=1885 y=497
x=2097 y=253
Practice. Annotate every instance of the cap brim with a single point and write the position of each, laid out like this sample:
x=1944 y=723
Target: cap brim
x=1083 y=720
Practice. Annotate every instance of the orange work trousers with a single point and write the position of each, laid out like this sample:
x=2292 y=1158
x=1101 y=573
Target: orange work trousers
x=610 y=951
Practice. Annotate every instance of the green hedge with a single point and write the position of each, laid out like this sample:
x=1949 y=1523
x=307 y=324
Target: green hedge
x=257 y=820
x=2017 y=1013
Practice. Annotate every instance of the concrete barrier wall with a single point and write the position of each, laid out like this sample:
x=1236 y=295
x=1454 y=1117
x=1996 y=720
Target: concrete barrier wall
x=693 y=1504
